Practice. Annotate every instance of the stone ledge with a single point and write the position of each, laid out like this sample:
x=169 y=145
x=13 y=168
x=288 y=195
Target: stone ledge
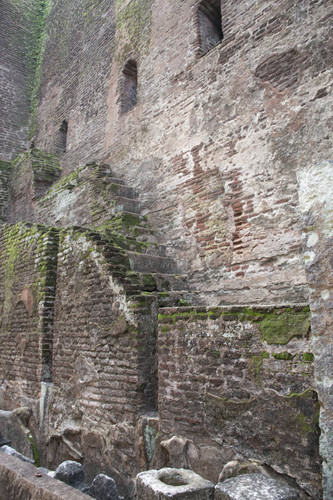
x=18 y=480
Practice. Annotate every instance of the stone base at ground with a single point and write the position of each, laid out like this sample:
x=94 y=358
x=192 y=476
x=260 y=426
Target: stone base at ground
x=182 y=484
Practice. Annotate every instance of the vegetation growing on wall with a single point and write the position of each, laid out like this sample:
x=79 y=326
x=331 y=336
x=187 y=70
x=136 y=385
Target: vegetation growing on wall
x=36 y=13
x=19 y=241
x=133 y=24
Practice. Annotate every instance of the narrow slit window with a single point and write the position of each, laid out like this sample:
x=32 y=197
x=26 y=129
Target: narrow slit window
x=210 y=31
x=129 y=86
x=62 y=137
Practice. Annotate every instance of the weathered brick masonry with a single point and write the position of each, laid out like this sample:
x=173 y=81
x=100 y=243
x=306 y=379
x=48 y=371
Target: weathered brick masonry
x=28 y=263
x=156 y=299
x=239 y=381
x=20 y=25
x=225 y=132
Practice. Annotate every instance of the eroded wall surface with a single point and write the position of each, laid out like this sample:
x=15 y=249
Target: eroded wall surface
x=316 y=187
x=214 y=142
x=238 y=384
x=220 y=150
x=20 y=29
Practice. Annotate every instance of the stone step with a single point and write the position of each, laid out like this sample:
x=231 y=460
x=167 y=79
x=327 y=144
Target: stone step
x=177 y=298
x=150 y=282
x=123 y=190
x=131 y=219
x=116 y=180
x=145 y=234
x=131 y=225
x=174 y=282
x=154 y=249
x=127 y=205
x=117 y=258
x=128 y=243
x=165 y=299
x=151 y=263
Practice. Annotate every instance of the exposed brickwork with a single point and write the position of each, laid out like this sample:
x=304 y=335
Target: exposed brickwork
x=79 y=48
x=103 y=368
x=31 y=175
x=213 y=151
x=219 y=179
x=234 y=391
x=15 y=76
x=27 y=288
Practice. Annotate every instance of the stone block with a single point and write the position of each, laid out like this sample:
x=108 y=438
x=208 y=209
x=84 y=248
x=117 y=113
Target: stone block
x=103 y=488
x=71 y=473
x=15 y=427
x=182 y=484
x=254 y=487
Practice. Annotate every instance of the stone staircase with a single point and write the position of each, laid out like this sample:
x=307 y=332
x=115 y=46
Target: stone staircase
x=113 y=220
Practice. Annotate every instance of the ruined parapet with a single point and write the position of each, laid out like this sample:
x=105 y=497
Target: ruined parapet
x=167 y=483
x=21 y=480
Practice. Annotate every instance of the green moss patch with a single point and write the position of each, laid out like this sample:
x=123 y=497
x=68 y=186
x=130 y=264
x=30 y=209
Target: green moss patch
x=286 y=356
x=4 y=166
x=133 y=23
x=279 y=327
x=307 y=410
x=255 y=364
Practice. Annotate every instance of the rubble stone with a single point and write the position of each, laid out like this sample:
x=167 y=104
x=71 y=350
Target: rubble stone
x=71 y=473
x=103 y=488
x=254 y=487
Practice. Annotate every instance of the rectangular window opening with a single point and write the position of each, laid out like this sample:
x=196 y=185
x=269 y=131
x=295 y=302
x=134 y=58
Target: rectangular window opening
x=209 y=25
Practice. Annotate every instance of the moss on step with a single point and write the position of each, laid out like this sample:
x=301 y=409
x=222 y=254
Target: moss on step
x=276 y=326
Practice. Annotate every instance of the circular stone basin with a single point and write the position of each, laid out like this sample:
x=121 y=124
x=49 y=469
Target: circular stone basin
x=173 y=479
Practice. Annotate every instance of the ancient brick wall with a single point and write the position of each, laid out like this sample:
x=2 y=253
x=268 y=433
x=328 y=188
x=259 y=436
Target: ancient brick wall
x=98 y=373
x=31 y=175
x=75 y=349
x=26 y=290
x=79 y=46
x=238 y=384
x=15 y=35
x=213 y=144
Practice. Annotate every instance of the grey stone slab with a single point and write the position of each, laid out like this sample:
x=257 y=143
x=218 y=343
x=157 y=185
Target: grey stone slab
x=8 y=450
x=169 y=483
x=254 y=487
